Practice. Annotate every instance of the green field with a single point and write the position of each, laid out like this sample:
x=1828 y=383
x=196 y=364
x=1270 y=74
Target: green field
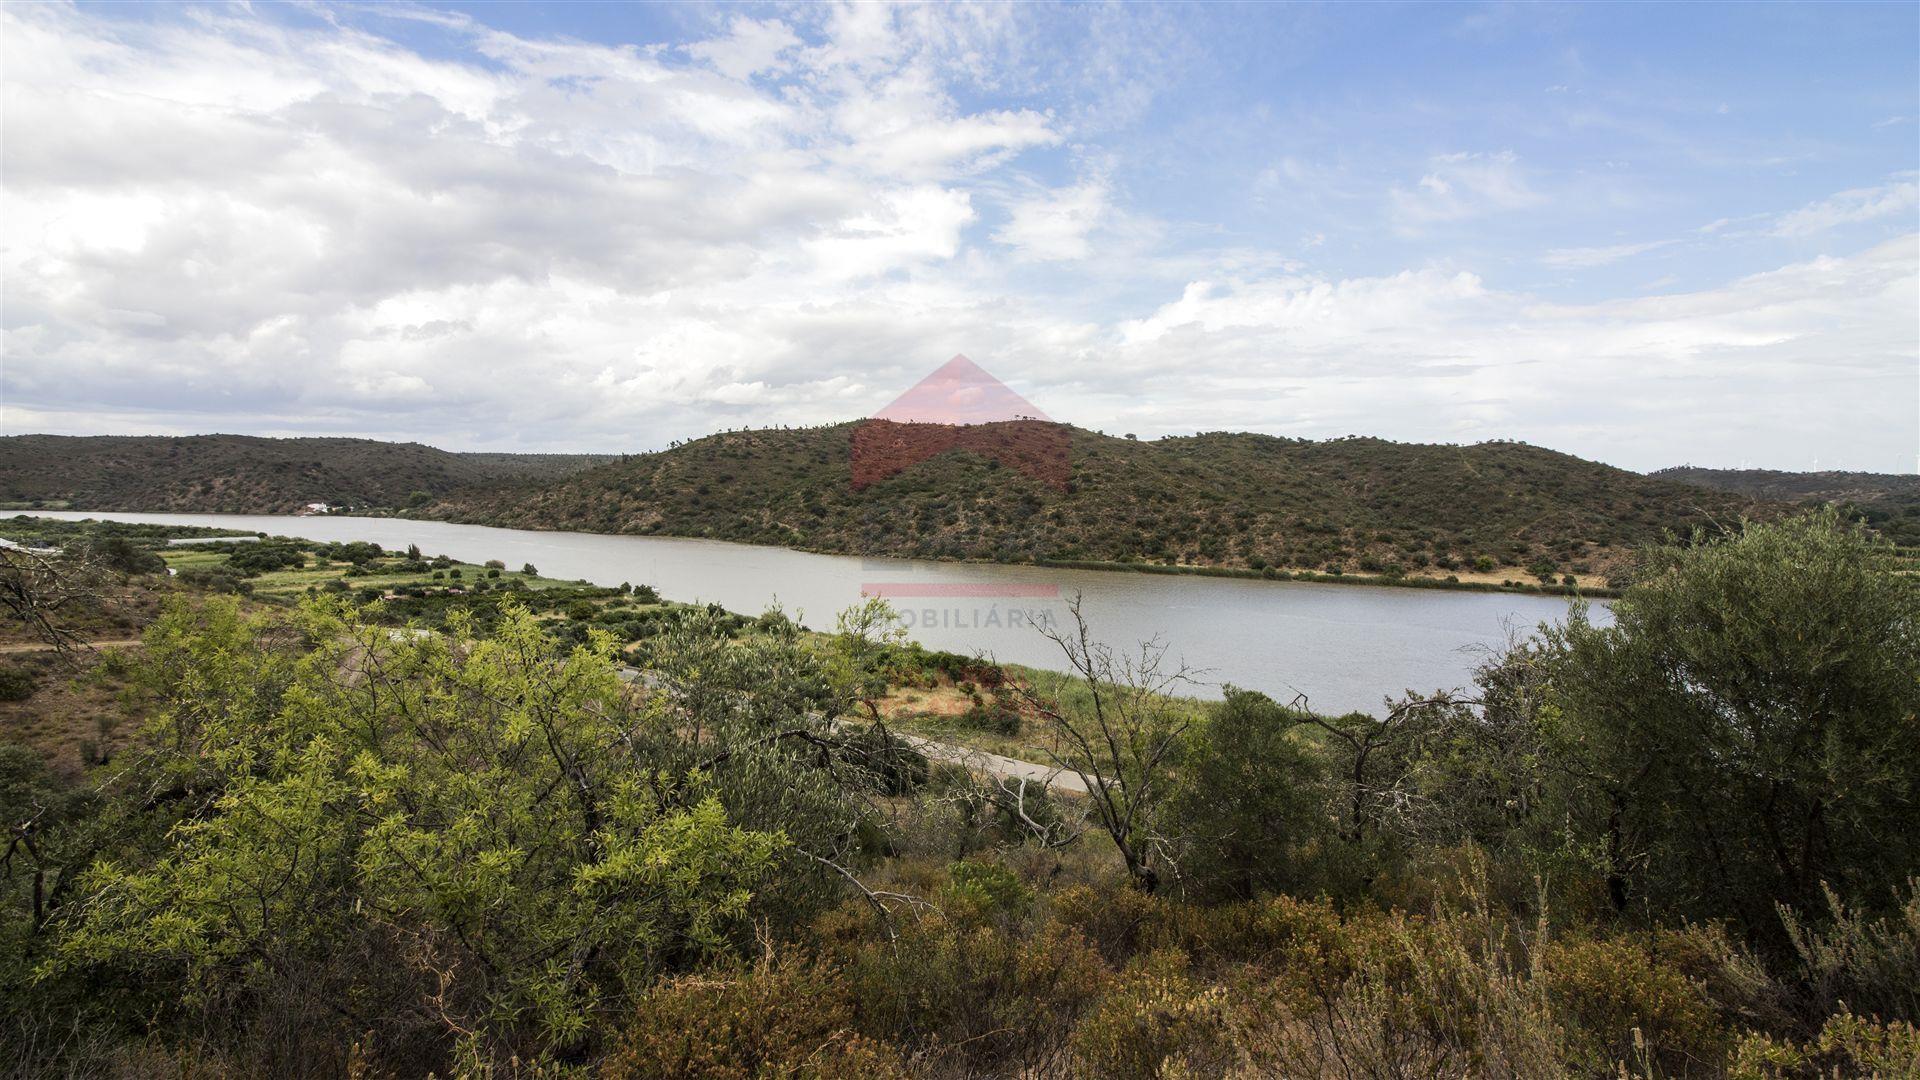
x=386 y=575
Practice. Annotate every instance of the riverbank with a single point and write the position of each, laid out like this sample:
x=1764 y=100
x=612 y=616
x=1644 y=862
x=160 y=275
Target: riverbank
x=1399 y=581
x=1344 y=648
x=1471 y=582
x=1481 y=583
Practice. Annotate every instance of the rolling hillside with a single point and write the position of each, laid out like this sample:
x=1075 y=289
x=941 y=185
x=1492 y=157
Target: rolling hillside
x=1890 y=502
x=1485 y=512
x=245 y=474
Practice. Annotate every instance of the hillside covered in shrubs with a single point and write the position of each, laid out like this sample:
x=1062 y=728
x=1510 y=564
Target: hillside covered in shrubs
x=1679 y=845
x=1888 y=502
x=1253 y=502
x=244 y=474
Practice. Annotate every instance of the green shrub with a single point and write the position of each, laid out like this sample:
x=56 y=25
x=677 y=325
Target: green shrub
x=1251 y=802
x=17 y=683
x=1847 y=1046
x=217 y=579
x=992 y=713
x=983 y=889
x=253 y=560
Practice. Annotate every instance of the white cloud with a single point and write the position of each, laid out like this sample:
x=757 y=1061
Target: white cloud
x=1464 y=185
x=1897 y=198
x=1055 y=224
x=1585 y=257
x=1781 y=359
x=751 y=47
x=318 y=228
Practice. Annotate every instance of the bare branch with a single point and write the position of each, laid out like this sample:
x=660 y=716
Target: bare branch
x=37 y=589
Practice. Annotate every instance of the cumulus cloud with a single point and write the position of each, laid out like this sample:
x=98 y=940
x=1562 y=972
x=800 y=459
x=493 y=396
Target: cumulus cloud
x=1781 y=359
x=233 y=215
x=750 y=47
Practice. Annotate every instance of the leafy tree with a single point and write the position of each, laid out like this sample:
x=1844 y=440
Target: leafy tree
x=122 y=555
x=1251 y=803
x=466 y=807
x=265 y=557
x=1748 y=724
x=758 y=709
x=866 y=636
x=1739 y=739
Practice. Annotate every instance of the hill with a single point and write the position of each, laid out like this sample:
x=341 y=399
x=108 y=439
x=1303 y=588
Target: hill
x=1890 y=502
x=247 y=474
x=1487 y=512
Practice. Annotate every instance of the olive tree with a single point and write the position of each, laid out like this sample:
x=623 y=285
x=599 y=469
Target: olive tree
x=1748 y=729
x=1251 y=807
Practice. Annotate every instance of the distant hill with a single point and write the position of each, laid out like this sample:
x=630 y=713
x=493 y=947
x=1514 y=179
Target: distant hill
x=245 y=474
x=1890 y=502
x=1224 y=500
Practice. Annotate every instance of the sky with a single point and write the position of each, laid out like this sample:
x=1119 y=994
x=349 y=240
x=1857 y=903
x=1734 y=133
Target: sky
x=1646 y=235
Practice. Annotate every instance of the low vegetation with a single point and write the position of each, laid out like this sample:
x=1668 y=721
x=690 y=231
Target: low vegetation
x=243 y=474
x=1888 y=503
x=339 y=835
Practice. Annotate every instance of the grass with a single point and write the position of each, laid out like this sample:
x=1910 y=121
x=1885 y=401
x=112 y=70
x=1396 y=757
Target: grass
x=291 y=583
x=77 y=716
x=940 y=712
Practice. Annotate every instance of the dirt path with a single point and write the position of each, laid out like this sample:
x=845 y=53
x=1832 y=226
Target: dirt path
x=41 y=646
x=997 y=766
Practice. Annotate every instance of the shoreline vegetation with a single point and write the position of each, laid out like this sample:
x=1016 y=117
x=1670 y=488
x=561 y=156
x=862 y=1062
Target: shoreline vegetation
x=1500 y=515
x=1581 y=590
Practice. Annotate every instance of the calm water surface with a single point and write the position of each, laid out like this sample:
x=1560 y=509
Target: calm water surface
x=1344 y=646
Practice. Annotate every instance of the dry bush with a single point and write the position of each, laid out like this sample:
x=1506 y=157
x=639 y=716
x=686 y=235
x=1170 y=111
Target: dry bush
x=978 y=982
x=791 y=1018
x=1620 y=1001
x=974 y=993
x=1850 y=961
x=1114 y=920
x=1455 y=996
x=1157 y=1018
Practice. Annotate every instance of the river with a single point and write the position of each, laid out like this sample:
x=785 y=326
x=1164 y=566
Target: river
x=1346 y=647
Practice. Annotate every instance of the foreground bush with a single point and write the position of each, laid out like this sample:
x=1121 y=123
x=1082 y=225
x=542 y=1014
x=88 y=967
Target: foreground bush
x=440 y=838
x=788 y=1019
